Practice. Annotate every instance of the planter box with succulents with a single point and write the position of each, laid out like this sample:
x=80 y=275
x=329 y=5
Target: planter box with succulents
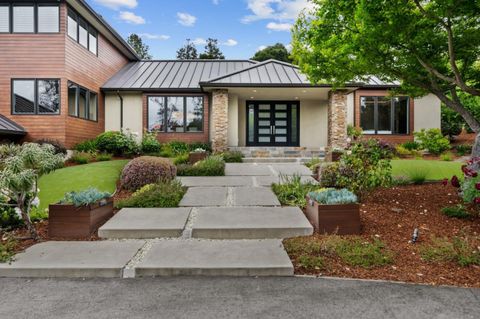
x=79 y=214
x=333 y=211
x=197 y=156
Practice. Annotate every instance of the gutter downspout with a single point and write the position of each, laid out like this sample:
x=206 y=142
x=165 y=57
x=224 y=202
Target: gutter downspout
x=121 y=110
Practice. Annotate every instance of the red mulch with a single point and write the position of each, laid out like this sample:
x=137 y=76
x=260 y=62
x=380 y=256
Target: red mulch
x=391 y=215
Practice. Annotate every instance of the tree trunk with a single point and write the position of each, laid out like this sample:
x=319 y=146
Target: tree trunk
x=28 y=222
x=476 y=146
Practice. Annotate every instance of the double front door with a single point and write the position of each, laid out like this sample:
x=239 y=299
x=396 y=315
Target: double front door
x=273 y=123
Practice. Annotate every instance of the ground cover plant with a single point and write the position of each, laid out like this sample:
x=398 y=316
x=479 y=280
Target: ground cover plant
x=146 y=170
x=213 y=165
x=161 y=194
x=232 y=156
x=457 y=211
x=463 y=250
x=292 y=191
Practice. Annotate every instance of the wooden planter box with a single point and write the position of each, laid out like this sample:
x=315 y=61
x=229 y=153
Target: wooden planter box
x=68 y=221
x=342 y=219
x=194 y=157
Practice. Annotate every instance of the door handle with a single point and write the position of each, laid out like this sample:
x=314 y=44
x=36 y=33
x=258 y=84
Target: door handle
x=271 y=129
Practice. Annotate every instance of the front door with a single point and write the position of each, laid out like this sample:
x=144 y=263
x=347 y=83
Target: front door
x=273 y=123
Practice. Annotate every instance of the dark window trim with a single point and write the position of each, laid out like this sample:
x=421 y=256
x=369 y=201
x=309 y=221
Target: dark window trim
x=165 y=131
x=87 y=102
x=35 y=96
x=375 y=114
x=48 y=5
x=35 y=6
x=78 y=18
x=10 y=25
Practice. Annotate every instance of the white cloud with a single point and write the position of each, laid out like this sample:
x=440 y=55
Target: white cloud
x=230 y=43
x=154 y=36
x=276 y=9
x=131 y=17
x=186 y=19
x=274 y=26
x=116 y=4
x=199 y=41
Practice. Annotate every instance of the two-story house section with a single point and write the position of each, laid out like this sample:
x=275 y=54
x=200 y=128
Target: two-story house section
x=54 y=57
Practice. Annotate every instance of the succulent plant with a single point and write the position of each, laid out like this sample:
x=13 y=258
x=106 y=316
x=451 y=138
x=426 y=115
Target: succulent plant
x=332 y=196
x=85 y=197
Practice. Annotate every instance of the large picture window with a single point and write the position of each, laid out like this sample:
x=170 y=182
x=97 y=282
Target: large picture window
x=175 y=114
x=82 y=32
x=29 y=18
x=82 y=103
x=36 y=96
x=384 y=115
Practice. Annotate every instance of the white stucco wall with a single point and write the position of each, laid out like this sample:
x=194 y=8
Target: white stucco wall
x=427 y=112
x=232 y=120
x=132 y=113
x=351 y=108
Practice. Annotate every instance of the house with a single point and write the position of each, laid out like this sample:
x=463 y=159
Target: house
x=79 y=78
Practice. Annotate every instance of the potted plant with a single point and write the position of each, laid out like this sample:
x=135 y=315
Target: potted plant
x=333 y=211
x=197 y=155
x=80 y=214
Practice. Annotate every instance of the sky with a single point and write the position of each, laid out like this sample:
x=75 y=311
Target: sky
x=241 y=26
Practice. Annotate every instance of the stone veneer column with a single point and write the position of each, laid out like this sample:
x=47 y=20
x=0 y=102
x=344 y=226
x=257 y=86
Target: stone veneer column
x=337 y=120
x=219 y=120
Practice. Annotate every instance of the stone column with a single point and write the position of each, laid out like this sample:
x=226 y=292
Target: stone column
x=337 y=120
x=219 y=119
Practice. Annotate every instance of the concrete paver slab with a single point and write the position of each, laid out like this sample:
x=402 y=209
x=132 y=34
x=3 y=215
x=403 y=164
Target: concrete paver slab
x=247 y=169
x=204 y=196
x=216 y=258
x=254 y=196
x=269 y=180
x=146 y=223
x=291 y=169
x=250 y=223
x=211 y=181
x=73 y=259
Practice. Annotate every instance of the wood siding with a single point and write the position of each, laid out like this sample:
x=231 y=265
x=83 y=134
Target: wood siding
x=395 y=139
x=57 y=56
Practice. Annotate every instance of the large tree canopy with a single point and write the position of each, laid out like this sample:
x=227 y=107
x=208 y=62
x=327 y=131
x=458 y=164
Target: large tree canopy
x=278 y=52
x=141 y=48
x=188 y=51
x=431 y=46
x=212 y=51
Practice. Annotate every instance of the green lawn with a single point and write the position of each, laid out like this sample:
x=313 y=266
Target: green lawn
x=102 y=175
x=437 y=170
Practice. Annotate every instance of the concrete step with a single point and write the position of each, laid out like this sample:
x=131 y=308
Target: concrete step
x=73 y=259
x=215 y=258
x=145 y=223
x=276 y=159
x=250 y=223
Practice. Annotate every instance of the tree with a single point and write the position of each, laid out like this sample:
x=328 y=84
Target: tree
x=212 y=51
x=20 y=169
x=278 y=52
x=430 y=46
x=187 y=52
x=141 y=48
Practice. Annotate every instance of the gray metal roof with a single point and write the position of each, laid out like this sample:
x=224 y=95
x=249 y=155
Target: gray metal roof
x=8 y=126
x=171 y=75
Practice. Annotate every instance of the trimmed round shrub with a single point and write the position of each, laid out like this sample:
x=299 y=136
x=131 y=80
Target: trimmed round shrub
x=117 y=143
x=147 y=170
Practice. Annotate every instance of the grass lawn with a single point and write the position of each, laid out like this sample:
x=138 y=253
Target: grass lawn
x=101 y=175
x=437 y=170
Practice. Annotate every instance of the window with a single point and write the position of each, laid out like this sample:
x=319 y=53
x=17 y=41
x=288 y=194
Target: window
x=4 y=19
x=48 y=19
x=23 y=19
x=175 y=114
x=82 y=103
x=36 y=96
x=83 y=33
x=384 y=115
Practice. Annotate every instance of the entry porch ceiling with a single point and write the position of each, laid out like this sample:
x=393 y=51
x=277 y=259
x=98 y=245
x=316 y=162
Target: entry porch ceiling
x=290 y=94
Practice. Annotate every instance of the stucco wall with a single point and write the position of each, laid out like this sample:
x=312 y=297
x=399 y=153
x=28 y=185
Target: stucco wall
x=132 y=113
x=427 y=112
x=233 y=120
x=351 y=109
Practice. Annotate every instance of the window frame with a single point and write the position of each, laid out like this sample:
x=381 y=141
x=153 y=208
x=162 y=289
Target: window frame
x=392 y=114
x=165 y=124
x=35 y=96
x=9 y=13
x=87 y=102
x=89 y=27
x=12 y=20
x=12 y=4
x=46 y=4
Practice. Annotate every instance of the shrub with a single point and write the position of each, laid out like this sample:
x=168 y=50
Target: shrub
x=331 y=196
x=179 y=147
x=211 y=166
x=89 y=146
x=463 y=149
x=81 y=157
x=411 y=145
x=402 y=151
x=117 y=143
x=432 y=140
x=457 y=211
x=354 y=132
x=232 y=157
x=447 y=157
x=103 y=157
x=85 y=197
x=7 y=250
x=313 y=162
x=146 y=170
x=418 y=175
x=181 y=159
x=8 y=217
x=292 y=191
x=452 y=122
x=150 y=144
x=400 y=180
x=57 y=145
x=162 y=194
x=197 y=145
x=37 y=214
x=470 y=186
x=462 y=250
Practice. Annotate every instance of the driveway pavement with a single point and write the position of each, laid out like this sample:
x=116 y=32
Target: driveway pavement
x=199 y=298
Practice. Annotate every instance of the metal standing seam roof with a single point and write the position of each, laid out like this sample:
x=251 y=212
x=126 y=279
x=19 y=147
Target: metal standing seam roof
x=8 y=126
x=172 y=74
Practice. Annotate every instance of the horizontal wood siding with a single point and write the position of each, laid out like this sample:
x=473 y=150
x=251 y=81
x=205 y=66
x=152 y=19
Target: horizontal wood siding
x=395 y=139
x=34 y=56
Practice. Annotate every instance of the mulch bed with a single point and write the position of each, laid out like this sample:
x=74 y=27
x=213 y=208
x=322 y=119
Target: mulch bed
x=391 y=215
